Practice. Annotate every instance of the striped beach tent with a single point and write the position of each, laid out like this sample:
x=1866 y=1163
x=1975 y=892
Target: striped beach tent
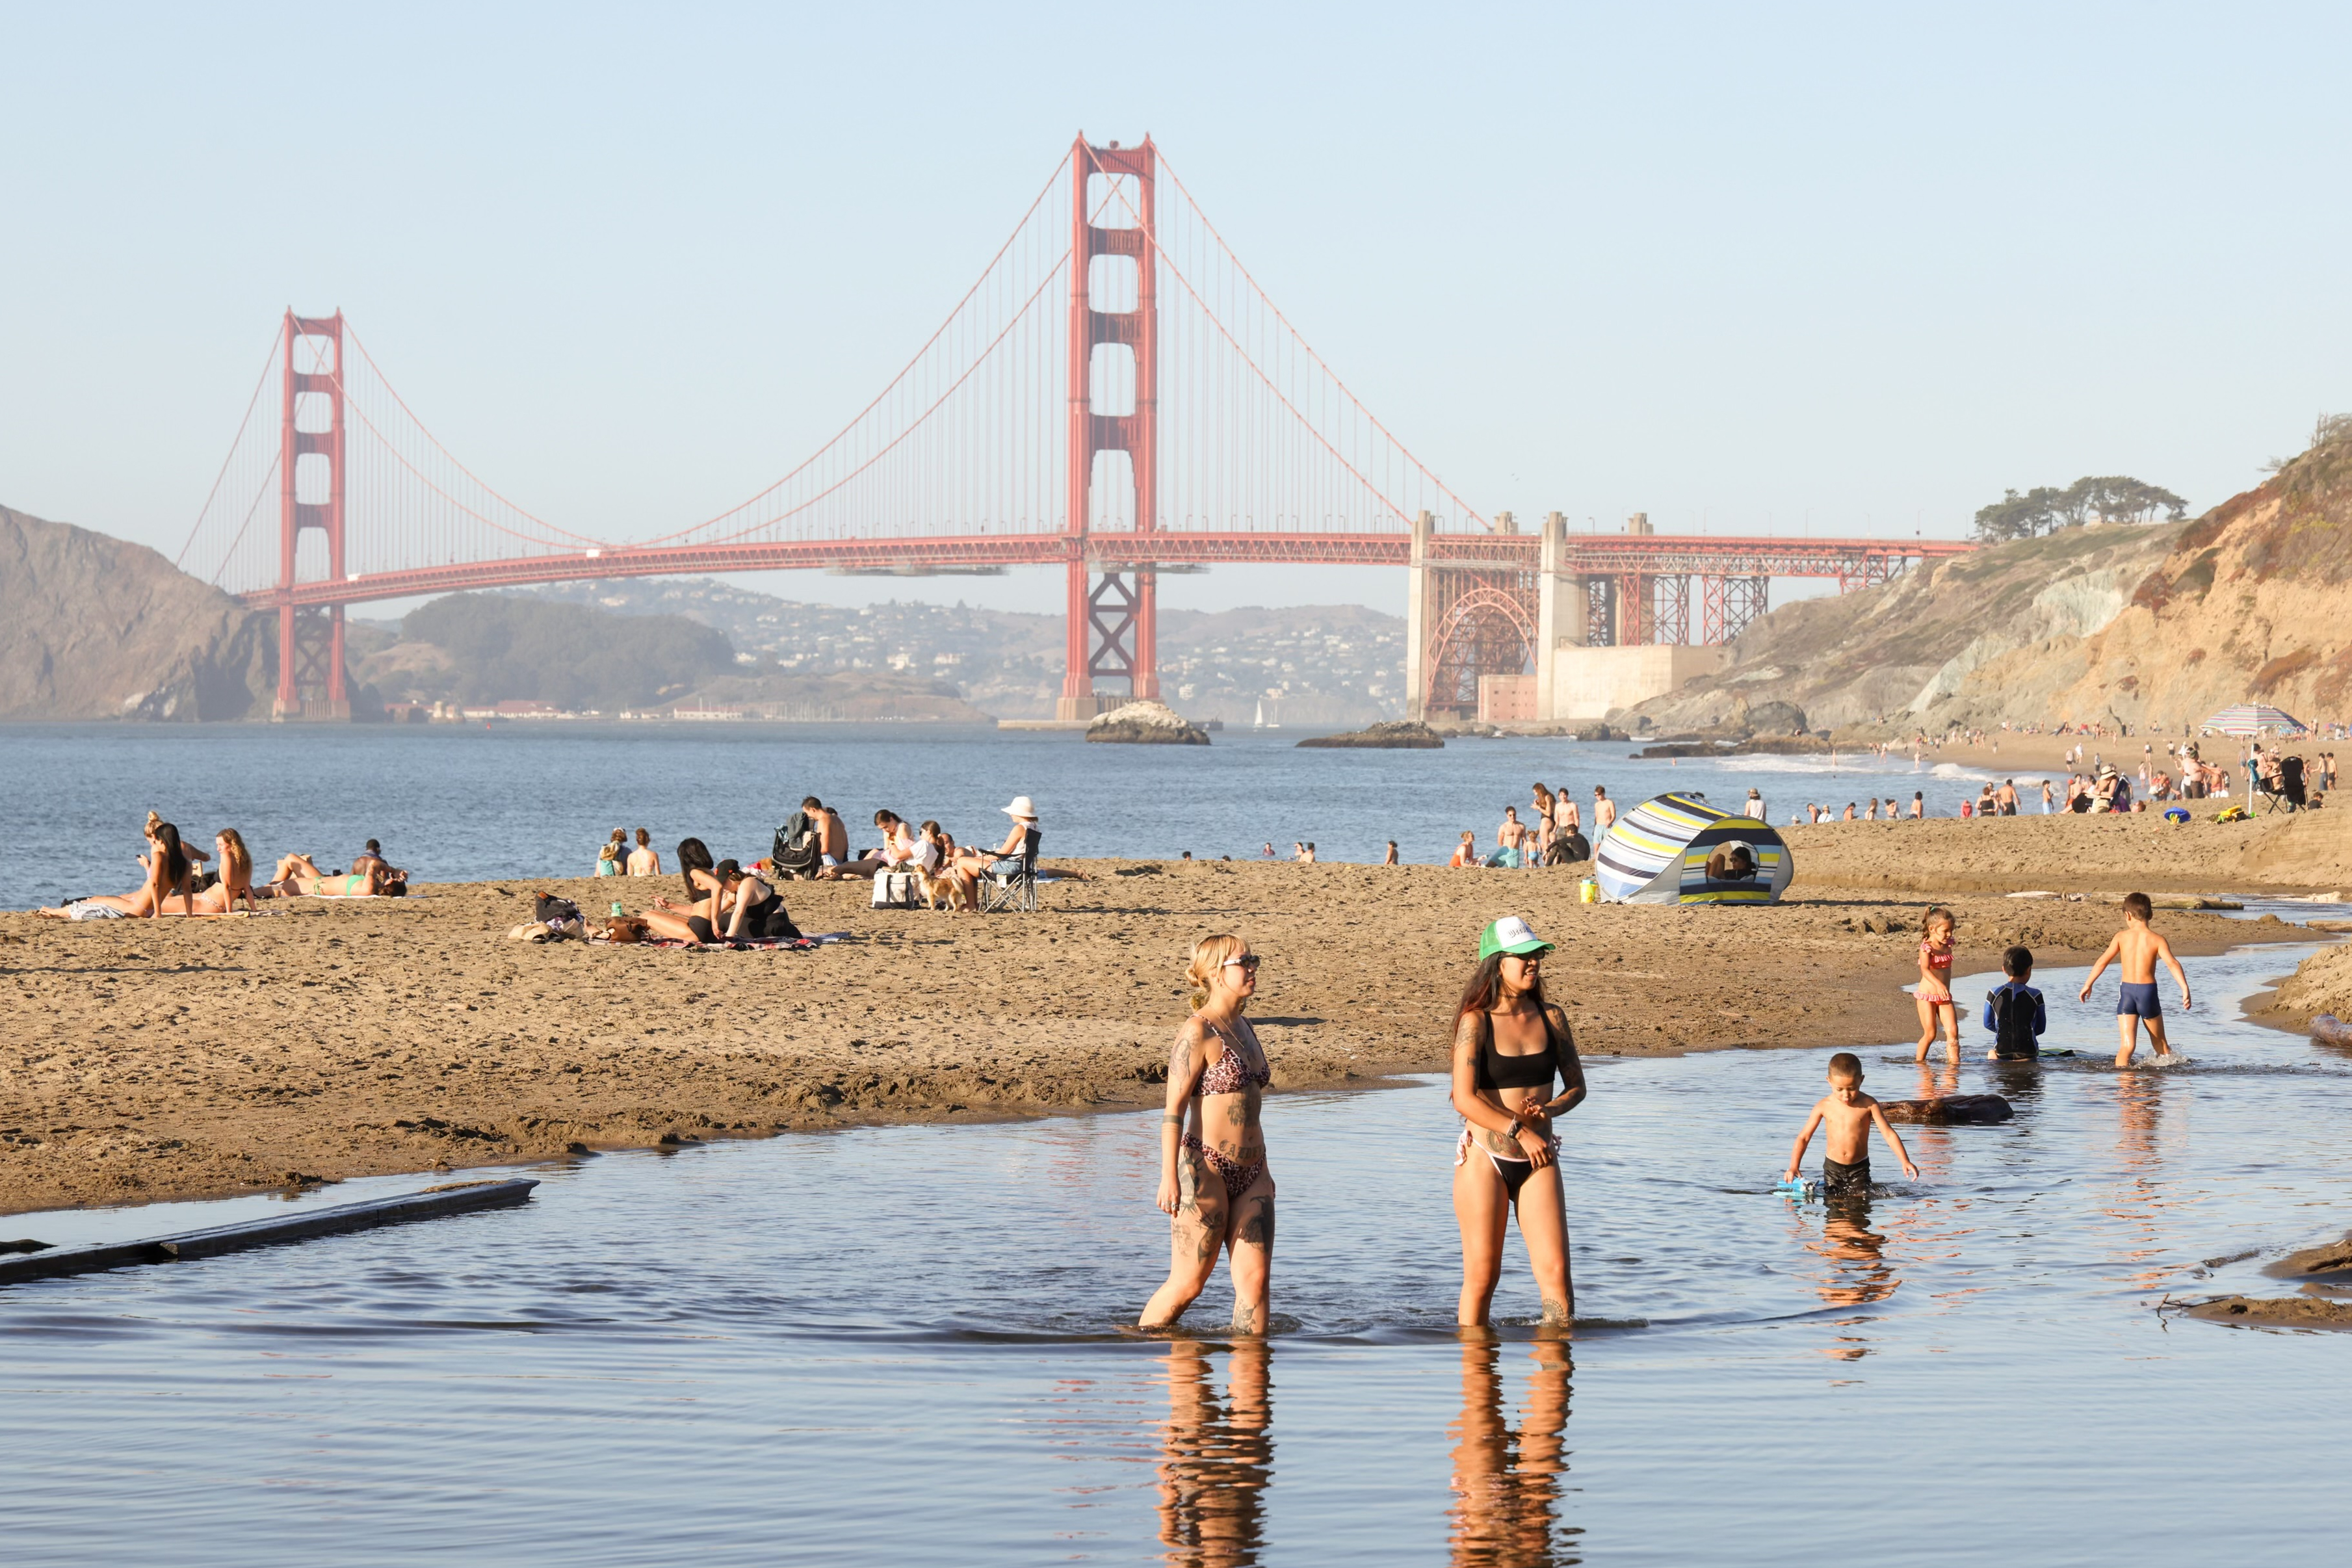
x=2252 y=718
x=1677 y=849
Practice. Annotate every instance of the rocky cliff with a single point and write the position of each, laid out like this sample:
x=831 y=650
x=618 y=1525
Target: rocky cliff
x=93 y=628
x=2249 y=604
x=1896 y=654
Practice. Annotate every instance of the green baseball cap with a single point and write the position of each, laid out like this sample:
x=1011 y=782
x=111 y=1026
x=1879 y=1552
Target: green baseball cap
x=1510 y=934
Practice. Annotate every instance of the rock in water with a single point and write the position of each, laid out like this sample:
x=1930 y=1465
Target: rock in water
x=1950 y=1110
x=1146 y=723
x=1399 y=735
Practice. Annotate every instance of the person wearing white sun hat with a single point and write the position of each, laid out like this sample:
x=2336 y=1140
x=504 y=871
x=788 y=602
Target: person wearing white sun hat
x=1509 y=1044
x=1020 y=844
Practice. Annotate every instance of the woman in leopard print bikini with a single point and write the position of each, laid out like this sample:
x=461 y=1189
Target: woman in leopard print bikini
x=1213 y=1183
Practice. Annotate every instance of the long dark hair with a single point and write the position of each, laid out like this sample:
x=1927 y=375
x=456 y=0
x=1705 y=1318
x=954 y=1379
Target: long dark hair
x=1485 y=985
x=693 y=855
x=175 y=859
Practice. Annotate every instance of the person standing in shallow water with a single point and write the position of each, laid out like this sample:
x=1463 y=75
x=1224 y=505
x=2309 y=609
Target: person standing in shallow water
x=1213 y=1182
x=1509 y=1044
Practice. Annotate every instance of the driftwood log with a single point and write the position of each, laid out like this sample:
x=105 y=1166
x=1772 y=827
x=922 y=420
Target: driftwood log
x=1949 y=1109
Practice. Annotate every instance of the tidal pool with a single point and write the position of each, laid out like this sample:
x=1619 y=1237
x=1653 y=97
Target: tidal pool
x=905 y=1344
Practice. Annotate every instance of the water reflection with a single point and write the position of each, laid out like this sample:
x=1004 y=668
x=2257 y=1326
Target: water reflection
x=1217 y=1457
x=1858 y=1272
x=1506 y=1482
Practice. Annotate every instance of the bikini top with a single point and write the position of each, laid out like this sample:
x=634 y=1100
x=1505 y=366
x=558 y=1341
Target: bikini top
x=1935 y=957
x=1534 y=1070
x=1227 y=1074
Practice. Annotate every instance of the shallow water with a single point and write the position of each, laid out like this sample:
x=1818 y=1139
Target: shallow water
x=902 y=1344
x=455 y=803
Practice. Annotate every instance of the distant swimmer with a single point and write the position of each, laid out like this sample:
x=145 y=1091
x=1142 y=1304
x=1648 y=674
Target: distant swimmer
x=1214 y=1186
x=2139 y=949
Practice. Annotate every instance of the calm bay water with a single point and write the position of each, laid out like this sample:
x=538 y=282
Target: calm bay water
x=903 y=1344
x=518 y=800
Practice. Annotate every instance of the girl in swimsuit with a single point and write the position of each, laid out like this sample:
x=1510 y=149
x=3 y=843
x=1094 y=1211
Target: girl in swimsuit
x=1213 y=1183
x=1935 y=993
x=235 y=876
x=690 y=922
x=1508 y=1044
x=168 y=875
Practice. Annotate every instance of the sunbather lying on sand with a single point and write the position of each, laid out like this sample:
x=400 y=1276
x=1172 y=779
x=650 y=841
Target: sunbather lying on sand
x=297 y=877
x=170 y=880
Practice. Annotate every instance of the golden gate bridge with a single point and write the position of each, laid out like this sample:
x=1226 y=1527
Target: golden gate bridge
x=1115 y=396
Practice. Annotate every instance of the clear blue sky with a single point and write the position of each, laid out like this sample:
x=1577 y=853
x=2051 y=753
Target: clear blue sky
x=1856 y=266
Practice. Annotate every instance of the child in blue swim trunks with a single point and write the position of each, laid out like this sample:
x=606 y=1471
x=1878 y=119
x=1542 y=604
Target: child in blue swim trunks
x=2138 y=947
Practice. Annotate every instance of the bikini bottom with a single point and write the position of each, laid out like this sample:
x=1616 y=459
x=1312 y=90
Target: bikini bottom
x=1238 y=1177
x=1513 y=1173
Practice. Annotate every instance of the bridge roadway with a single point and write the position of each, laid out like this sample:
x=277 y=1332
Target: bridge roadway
x=1851 y=561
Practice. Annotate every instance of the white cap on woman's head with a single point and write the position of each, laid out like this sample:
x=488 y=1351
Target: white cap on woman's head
x=1021 y=808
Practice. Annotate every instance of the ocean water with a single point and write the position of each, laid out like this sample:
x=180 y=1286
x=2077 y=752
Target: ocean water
x=899 y=1345
x=451 y=802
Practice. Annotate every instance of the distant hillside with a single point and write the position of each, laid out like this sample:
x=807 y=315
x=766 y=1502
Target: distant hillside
x=1893 y=657
x=2249 y=604
x=1315 y=665
x=94 y=627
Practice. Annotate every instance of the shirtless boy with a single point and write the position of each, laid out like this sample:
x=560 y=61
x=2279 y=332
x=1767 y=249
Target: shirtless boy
x=1849 y=1114
x=2137 y=949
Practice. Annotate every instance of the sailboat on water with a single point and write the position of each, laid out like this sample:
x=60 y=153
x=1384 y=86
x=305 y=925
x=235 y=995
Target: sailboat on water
x=1261 y=723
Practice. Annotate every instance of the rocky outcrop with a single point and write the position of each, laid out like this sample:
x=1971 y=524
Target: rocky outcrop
x=1949 y=1111
x=1146 y=723
x=93 y=628
x=1399 y=735
x=1893 y=654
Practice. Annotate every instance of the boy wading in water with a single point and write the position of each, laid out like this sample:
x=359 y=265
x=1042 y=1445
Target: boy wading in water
x=2137 y=948
x=1849 y=1115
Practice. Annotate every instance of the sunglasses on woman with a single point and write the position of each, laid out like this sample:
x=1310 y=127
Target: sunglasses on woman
x=1248 y=962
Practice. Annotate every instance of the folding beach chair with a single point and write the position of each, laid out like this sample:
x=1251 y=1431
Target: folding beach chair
x=1012 y=884
x=2287 y=794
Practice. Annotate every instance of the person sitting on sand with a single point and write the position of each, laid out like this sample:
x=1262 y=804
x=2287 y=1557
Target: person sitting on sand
x=753 y=909
x=690 y=922
x=236 y=880
x=895 y=851
x=1509 y=835
x=644 y=860
x=1850 y=1115
x=1465 y=854
x=2139 y=949
x=1388 y=859
x=1937 y=938
x=167 y=876
x=608 y=860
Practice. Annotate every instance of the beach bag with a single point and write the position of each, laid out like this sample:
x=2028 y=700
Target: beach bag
x=894 y=890
x=2012 y=1026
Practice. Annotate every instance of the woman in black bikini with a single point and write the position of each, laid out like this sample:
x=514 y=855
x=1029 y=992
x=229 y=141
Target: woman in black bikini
x=1508 y=1044
x=1213 y=1183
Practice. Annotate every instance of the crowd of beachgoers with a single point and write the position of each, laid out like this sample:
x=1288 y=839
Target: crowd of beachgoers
x=174 y=878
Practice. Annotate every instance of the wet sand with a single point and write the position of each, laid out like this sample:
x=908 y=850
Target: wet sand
x=175 y=1060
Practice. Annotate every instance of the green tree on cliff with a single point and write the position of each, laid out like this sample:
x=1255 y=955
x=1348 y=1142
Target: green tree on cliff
x=2112 y=498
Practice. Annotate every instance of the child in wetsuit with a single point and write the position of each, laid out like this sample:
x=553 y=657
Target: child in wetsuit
x=2013 y=1014
x=1849 y=1114
x=2137 y=948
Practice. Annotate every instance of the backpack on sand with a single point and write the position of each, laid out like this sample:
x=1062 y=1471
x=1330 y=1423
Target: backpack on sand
x=794 y=852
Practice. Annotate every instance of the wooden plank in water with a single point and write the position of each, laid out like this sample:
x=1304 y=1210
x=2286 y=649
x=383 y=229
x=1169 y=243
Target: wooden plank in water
x=434 y=1203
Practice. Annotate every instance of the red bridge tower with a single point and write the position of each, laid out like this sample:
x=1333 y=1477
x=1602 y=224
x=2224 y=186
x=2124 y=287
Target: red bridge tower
x=310 y=638
x=1113 y=629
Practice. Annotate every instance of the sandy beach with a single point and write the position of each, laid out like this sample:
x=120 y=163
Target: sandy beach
x=324 y=1039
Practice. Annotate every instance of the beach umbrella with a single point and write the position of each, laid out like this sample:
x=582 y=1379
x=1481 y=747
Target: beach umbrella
x=2252 y=718
x=1677 y=849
